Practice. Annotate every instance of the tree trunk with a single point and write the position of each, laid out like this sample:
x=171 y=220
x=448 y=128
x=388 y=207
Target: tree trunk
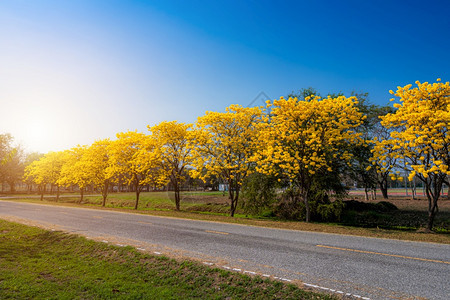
x=137 y=198
x=177 y=200
x=104 y=199
x=234 y=197
x=176 y=188
x=57 y=194
x=105 y=193
x=42 y=190
x=12 y=186
x=384 y=188
x=432 y=211
x=433 y=190
x=431 y=215
x=308 y=209
x=81 y=195
x=138 y=192
x=231 y=197
x=414 y=190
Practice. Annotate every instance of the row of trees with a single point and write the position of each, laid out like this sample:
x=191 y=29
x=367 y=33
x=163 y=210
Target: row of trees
x=306 y=144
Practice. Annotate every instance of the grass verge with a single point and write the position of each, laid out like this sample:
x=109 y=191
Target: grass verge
x=39 y=264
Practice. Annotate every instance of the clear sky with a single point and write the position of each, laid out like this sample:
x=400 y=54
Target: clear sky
x=72 y=72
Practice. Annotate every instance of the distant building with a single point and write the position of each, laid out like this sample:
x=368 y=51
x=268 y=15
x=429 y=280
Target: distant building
x=223 y=187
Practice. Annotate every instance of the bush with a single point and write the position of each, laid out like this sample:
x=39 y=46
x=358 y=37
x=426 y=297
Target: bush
x=289 y=206
x=330 y=212
x=258 y=193
x=383 y=206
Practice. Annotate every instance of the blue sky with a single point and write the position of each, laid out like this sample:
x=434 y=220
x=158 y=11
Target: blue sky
x=72 y=72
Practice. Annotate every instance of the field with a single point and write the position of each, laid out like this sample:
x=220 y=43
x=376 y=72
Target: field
x=39 y=264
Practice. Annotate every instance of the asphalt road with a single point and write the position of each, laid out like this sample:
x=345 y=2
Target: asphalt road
x=360 y=267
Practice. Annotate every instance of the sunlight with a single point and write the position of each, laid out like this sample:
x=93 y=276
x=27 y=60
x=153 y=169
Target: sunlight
x=38 y=134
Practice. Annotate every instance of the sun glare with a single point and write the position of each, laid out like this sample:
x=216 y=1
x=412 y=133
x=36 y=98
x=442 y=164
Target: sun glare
x=37 y=136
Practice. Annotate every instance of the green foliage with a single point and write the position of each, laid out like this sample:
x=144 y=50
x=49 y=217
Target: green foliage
x=329 y=212
x=289 y=205
x=259 y=193
x=303 y=93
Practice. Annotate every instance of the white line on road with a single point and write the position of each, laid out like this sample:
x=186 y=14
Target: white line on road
x=334 y=291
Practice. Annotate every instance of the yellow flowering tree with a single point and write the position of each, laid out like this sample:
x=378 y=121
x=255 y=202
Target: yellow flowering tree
x=172 y=140
x=97 y=157
x=47 y=170
x=305 y=137
x=34 y=173
x=133 y=158
x=76 y=170
x=30 y=158
x=420 y=136
x=224 y=143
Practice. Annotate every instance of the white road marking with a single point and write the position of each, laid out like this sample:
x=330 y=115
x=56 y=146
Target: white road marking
x=334 y=291
x=250 y=272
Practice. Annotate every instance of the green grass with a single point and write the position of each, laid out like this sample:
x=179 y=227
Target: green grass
x=39 y=264
x=152 y=200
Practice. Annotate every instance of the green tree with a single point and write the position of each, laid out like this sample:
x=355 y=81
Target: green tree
x=13 y=168
x=361 y=169
x=383 y=163
x=259 y=192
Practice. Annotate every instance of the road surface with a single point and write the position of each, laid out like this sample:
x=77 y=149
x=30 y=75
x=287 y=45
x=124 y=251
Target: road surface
x=365 y=268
